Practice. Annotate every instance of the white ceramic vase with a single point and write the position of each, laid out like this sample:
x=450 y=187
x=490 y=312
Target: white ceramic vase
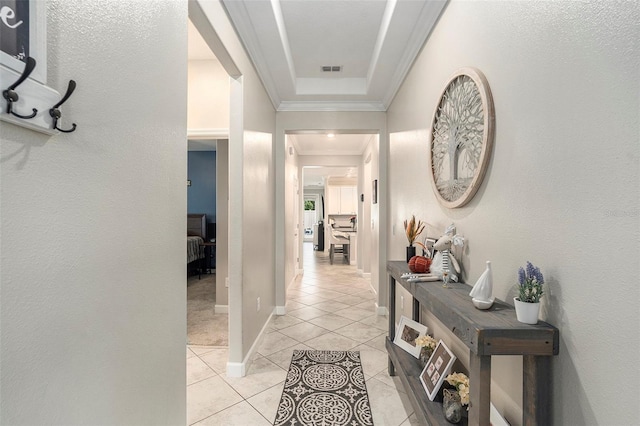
x=527 y=312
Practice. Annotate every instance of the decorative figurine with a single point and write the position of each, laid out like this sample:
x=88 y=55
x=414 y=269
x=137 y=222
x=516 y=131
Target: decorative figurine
x=482 y=291
x=444 y=259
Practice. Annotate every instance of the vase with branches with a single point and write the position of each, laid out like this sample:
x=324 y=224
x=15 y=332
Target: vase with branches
x=412 y=229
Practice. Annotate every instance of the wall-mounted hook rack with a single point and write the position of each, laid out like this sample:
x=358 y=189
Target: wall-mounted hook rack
x=11 y=95
x=55 y=112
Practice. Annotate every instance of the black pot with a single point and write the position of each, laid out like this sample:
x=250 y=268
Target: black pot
x=411 y=251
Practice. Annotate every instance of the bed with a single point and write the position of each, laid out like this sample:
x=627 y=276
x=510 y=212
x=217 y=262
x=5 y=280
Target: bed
x=196 y=236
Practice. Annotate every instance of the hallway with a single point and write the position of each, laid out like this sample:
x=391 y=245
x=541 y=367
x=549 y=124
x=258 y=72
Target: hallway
x=329 y=307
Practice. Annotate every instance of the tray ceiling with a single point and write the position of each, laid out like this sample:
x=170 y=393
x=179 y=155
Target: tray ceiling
x=374 y=42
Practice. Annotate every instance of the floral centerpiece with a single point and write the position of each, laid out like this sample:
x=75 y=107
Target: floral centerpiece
x=428 y=345
x=454 y=401
x=461 y=382
x=412 y=229
x=530 y=290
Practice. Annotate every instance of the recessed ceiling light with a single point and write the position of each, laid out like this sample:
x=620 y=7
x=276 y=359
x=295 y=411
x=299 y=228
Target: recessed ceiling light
x=331 y=135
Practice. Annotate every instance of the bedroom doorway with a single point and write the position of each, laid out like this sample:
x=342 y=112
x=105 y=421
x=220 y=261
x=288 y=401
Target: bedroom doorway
x=207 y=191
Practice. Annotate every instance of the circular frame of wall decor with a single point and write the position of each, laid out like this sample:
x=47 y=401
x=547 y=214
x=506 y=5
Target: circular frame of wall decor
x=461 y=137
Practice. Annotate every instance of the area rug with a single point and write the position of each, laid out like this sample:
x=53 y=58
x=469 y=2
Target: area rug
x=204 y=326
x=324 y=388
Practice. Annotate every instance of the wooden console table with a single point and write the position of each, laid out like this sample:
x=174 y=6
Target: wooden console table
x=486 y=333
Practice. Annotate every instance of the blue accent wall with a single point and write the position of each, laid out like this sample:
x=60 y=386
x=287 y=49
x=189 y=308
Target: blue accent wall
x=201 y=195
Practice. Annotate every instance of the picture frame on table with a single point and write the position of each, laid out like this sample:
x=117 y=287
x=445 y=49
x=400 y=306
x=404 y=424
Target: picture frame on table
x=406 y=334
x=437 y=368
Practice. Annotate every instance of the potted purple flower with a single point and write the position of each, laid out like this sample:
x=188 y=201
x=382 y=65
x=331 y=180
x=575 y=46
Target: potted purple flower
x=530 y=290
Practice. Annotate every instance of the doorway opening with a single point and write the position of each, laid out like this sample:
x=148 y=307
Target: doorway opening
x=208 y=120
x=336 y=197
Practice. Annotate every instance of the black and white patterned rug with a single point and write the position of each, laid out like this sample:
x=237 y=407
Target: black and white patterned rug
x=324 y=388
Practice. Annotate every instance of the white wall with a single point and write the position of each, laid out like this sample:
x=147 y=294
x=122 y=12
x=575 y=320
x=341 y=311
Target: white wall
x=561 y=190
x=208 y=98
x=93 y=227
x=258 y=257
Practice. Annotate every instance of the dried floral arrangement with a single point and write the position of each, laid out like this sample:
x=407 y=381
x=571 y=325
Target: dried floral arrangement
x=413 y=229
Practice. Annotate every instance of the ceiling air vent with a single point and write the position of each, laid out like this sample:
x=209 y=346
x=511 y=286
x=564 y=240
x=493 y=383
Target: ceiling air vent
x=331 y=68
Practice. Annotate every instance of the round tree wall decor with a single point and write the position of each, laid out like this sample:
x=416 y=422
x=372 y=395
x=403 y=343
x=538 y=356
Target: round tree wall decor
x=461 y=137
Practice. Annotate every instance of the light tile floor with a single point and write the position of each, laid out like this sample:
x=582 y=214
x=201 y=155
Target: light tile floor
x=330 y=307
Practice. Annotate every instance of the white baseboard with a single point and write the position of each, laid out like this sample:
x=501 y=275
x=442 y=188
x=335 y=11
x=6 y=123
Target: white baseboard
x=281 y=310
x=293 y=280
x=236 y=369
x=382 y=310
x=363 y=274
x=373 y=289
x=239 y=369
x=221 y=309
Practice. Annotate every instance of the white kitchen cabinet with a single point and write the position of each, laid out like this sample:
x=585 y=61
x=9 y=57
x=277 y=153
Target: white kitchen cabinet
x=348 y=200
x=333 y=199
x=342 y=200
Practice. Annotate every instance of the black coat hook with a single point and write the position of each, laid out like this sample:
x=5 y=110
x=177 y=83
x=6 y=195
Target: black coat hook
x=11 y=96
x=55 y=112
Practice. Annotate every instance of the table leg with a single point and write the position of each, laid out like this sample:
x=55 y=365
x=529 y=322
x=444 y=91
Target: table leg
x=392 y=318
x=536 y=390
x=479 y=389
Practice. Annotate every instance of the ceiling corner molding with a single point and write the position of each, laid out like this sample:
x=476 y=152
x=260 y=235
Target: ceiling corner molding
x=428 y=18
x=382 y=34
x=320 y=106
x=196 y=134
x=284 y=38
x=249 y=39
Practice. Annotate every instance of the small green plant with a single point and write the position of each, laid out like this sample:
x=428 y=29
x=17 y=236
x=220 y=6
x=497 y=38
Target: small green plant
x=530 y=284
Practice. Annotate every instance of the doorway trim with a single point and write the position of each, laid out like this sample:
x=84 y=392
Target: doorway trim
x=236 y=365
x=331 y=121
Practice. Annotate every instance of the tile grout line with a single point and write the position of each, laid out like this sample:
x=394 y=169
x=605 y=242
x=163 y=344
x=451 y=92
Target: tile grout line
x=318 y=286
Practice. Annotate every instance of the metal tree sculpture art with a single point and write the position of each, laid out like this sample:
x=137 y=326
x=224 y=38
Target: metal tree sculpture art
x=461 y=137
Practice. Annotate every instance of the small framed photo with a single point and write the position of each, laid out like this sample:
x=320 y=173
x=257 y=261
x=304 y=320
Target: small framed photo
x=437 y=369
x=407 y=333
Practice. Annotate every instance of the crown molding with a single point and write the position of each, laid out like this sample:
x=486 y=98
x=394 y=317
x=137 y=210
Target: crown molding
x=317 y=106
x=243 y=26
x=427 y=19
